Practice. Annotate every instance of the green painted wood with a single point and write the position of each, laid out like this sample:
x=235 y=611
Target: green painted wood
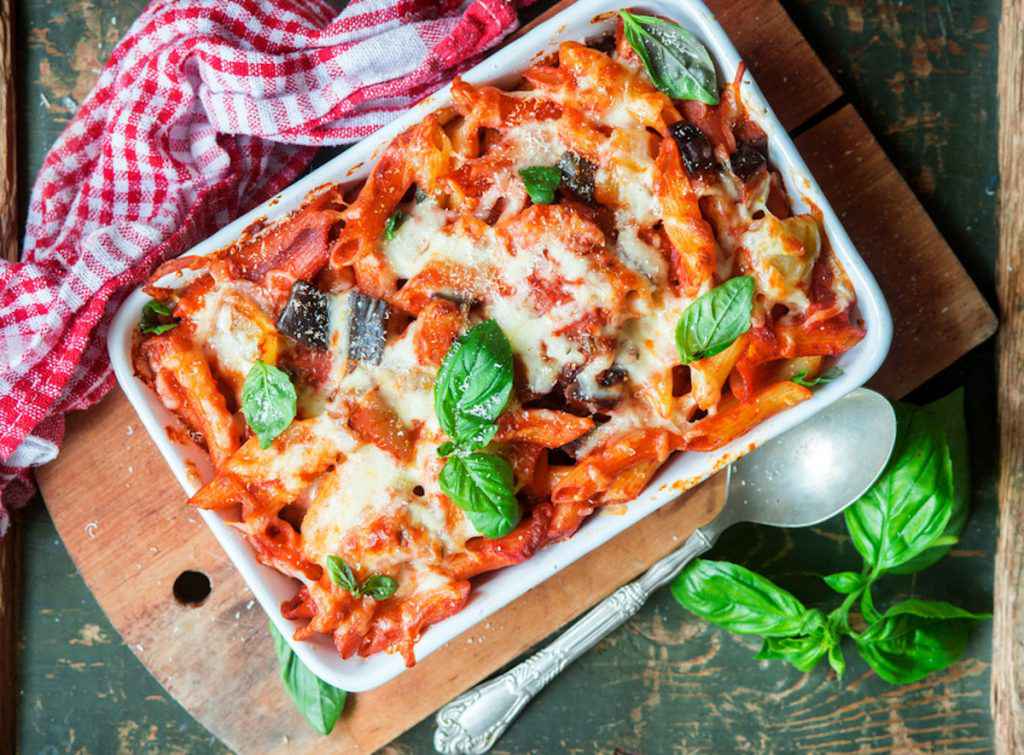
x=923 y=75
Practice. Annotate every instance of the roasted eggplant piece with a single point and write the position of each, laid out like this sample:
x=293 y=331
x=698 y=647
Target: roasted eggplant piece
x=594 y=398
x=612 y=376
x=305 y=316
x=747 y=161
x=695 y=149
x=578 y=175
x=368 y=327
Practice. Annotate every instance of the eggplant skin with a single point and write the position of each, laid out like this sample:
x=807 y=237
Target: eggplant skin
x=367 y=330
x=578 y=175
x=305 y=317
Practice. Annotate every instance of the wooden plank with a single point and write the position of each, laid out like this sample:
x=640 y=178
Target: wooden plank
x=130 y=562
x=938 y=312
x=1008 y=611
x=10 y=551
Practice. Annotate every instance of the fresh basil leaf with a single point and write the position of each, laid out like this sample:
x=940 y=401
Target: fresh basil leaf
x=801 y=378
x=921 y=496
x=268 y=401
x=837 y=660
x=342 y=575
x=317 y=700
x=151 y=313
x=379 y=586
x=712 y=322
x=845 y=582
x=473 y=385
x=906 y=648
x=540 y=182
x=678 y=64
x=482 y=484
x=741 y=601
x=946 y=416
x=933 y=609
x=803 y=652
x=394 y=220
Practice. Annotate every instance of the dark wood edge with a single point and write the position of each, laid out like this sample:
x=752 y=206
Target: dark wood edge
x=10 y=546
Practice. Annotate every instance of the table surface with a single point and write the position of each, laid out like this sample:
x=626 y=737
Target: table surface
x=922 y=74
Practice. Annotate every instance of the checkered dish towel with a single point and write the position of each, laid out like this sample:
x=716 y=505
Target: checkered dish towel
x=205 y=109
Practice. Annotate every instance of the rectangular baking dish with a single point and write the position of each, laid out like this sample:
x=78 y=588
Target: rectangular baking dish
x=581 y=21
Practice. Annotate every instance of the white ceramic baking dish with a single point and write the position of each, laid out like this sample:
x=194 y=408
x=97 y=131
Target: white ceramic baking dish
x=584 y=20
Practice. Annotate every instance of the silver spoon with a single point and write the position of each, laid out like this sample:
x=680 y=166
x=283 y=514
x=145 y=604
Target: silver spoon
x=802 y=477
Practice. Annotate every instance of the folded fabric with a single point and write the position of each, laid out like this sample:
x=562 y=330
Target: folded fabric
x=205 y=109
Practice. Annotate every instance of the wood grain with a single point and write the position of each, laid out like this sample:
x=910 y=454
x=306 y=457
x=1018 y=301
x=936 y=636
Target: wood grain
x=1008 y=618
x=937 y=311
x=10 y=552
x=8 y=138
x=10 y=587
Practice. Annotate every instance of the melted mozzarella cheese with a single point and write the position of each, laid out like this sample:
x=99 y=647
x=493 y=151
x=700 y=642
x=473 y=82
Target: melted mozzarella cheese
x=782 y=254
x=224 y=325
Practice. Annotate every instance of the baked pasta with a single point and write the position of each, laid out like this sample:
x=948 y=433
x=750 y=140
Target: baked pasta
x=536 y=297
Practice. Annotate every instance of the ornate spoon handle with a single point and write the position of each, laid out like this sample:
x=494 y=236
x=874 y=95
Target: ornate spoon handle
x=471 y=723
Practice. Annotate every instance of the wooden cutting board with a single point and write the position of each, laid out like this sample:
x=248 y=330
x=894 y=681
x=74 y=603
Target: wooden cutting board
x=122 y=517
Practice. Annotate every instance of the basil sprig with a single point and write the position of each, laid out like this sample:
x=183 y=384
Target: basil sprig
x=391 y=225
x=376 y=586
x=317 y=700
x=905 y=522
x=676 y=61
x=828 y=376
x=154 y=315
x=744 y=602
x=472 y=388
x=540 y=182
x=268 y=401
x=712 y=321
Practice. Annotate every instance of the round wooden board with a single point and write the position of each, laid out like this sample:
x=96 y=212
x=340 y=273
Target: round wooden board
x=123 y=518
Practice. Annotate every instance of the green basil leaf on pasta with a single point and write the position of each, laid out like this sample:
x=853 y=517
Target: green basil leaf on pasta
x=827 y=377
x=741 y=601
x=342 y=575
x=482 y=485
x=394 y=220
x=677 y=63
x=540 y=182
x=711 y=323
x=909 y=518
x=379 y=586
x=317 y=700
x=268 y=401
x=473 y=386
x=154 y=318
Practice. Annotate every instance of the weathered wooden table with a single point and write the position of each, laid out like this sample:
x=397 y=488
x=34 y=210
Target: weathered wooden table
x=923 y=75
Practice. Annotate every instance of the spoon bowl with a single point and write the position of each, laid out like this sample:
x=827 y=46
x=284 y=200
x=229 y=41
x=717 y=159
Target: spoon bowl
x=815 y=470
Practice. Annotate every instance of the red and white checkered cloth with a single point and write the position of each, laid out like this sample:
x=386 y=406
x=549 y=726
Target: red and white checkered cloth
x=205 y=109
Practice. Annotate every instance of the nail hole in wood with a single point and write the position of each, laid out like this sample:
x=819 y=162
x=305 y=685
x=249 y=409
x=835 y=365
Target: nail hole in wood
x=191 y=588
